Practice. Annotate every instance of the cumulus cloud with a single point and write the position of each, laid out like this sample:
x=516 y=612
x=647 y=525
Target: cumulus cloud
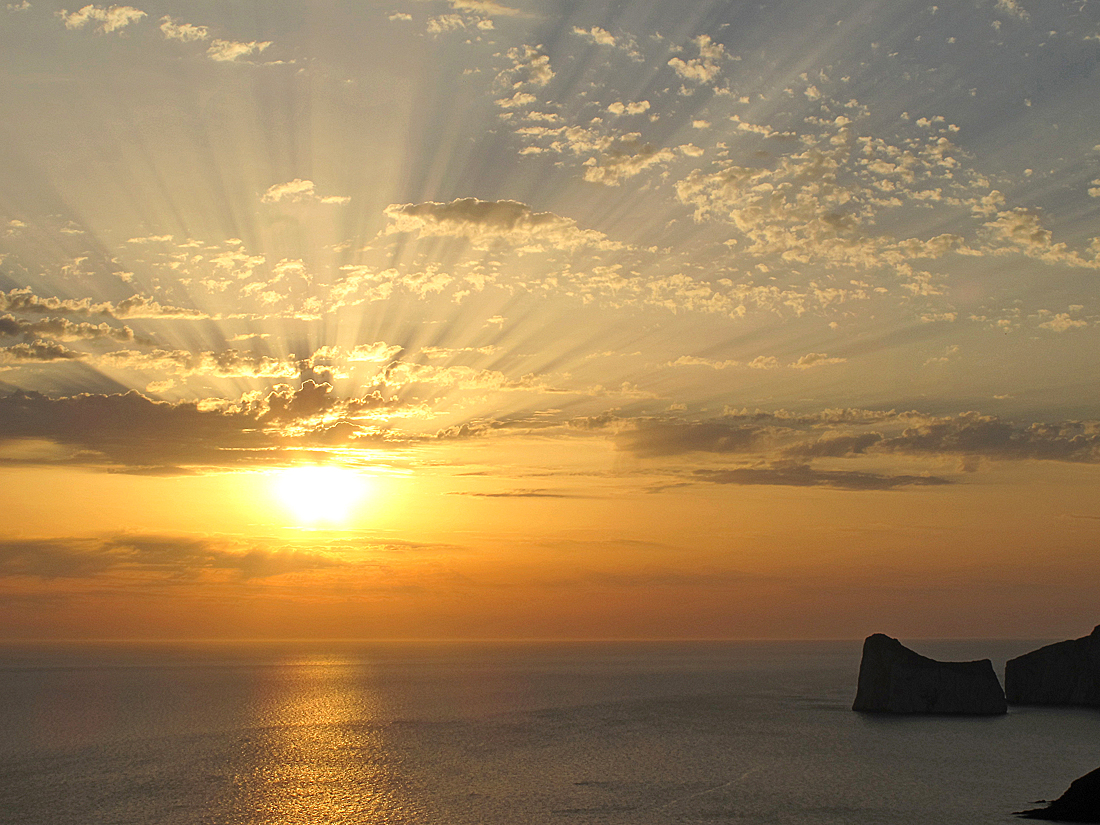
x=596 y=35
x=625 y=160
x=224 y=364
x=854 y=433
x=635 y=108
x=138 y=306
x=1023 y=231
x=184 y=32
x=37 y=352
x=704 y=68
x=299 y=191
x=1013 y=9
x=486 y=222
x=815 y=359
x=228 y=51
x=984 y=436
x=105 y=19
x=530 y=66
x=133 y=433
x=489 y=8
x=62 y=329
x=446 y=23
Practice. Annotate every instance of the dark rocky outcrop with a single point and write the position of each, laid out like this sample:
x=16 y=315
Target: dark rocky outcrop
x=1080 y=803
x=894 y=679
x=1065 y=673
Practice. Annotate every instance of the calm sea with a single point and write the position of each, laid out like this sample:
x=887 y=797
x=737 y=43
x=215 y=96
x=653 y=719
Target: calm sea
x=506 y=734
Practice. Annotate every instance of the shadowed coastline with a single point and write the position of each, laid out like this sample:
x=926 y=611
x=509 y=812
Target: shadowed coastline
x=895 y=679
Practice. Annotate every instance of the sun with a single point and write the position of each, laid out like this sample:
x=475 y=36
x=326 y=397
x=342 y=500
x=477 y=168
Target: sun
x=320 y=494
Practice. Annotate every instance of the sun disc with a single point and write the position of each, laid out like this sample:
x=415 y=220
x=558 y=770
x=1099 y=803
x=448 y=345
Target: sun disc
x=320 y=494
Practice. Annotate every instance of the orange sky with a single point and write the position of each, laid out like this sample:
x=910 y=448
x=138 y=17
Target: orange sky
x=602 y=321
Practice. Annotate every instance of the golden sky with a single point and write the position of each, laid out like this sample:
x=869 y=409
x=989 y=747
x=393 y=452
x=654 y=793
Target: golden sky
x=466 y=319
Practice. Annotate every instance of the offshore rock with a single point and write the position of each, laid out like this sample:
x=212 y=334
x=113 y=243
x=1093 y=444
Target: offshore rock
x=895 y=679
x=1080 y=803
x=1064 y=673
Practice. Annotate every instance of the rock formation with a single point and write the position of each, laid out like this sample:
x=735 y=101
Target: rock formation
x=894 y=679
x=1080 y=803
x=1065 y=673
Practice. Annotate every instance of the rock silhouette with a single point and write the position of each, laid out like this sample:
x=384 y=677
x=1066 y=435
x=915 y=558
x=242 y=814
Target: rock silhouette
x=1064 y=673
x=895 y=679
x=1080 y=803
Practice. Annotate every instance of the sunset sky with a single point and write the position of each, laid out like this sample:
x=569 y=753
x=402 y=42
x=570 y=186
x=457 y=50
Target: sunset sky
x=529 y=319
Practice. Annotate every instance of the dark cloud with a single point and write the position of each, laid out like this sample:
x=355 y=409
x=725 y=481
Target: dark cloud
x=133 y=433
x=651 y=437
x=37 y=352
x=167 y=558
x=64 y=329
x=25 y=301
x=523 y=494
x=803 y=475
x=852 y=433
x=836 y=446
x=972 y=434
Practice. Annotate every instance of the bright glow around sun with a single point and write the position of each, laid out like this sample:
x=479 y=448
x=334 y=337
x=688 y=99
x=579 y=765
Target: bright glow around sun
x=320 y=494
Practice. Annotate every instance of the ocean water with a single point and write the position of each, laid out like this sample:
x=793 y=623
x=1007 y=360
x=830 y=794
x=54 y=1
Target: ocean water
x=506 y=734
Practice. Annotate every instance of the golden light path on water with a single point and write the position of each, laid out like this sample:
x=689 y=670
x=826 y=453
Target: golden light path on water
x=317 y=753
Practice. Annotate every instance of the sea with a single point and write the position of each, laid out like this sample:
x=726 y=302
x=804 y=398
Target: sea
x=639 y=733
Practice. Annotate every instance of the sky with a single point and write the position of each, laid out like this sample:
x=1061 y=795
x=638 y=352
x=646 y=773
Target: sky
x=434 y=319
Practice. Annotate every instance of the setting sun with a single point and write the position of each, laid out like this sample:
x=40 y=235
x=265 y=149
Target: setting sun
x=319 y=494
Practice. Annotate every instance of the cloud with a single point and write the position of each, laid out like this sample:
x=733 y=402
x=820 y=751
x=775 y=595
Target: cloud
x=635 y=108
x=802 y=475
x=224 y=364
x=299 y=191
x=522 y=494
x=446 y=23
x=1061 y=322
x=138 y=306
x=1023 y=230
x=133 y=433
x=227 y=51
x=184 y=32
x=654 y=437
x=982 y=436
x=37 y=351
x=106 y=18
x=625 y=160
x=62 y=329
x=529 y=67
x=166 y=558
x=489 y=8
x=815 y=359
x=487 y=222
x=704 y=68
x=855 y=433
x=1013 y=9
x=596 y=35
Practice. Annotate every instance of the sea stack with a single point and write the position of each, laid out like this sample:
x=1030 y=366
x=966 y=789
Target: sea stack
x=895 y=679
x=1081 y=803
x=1064 y=673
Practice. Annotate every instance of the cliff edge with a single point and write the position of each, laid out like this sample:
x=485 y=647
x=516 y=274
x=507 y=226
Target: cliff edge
x=1080 y=803
x=1064 y=673
x=895 y=679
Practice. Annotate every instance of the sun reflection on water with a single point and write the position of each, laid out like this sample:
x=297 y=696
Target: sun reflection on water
x=316 y=753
